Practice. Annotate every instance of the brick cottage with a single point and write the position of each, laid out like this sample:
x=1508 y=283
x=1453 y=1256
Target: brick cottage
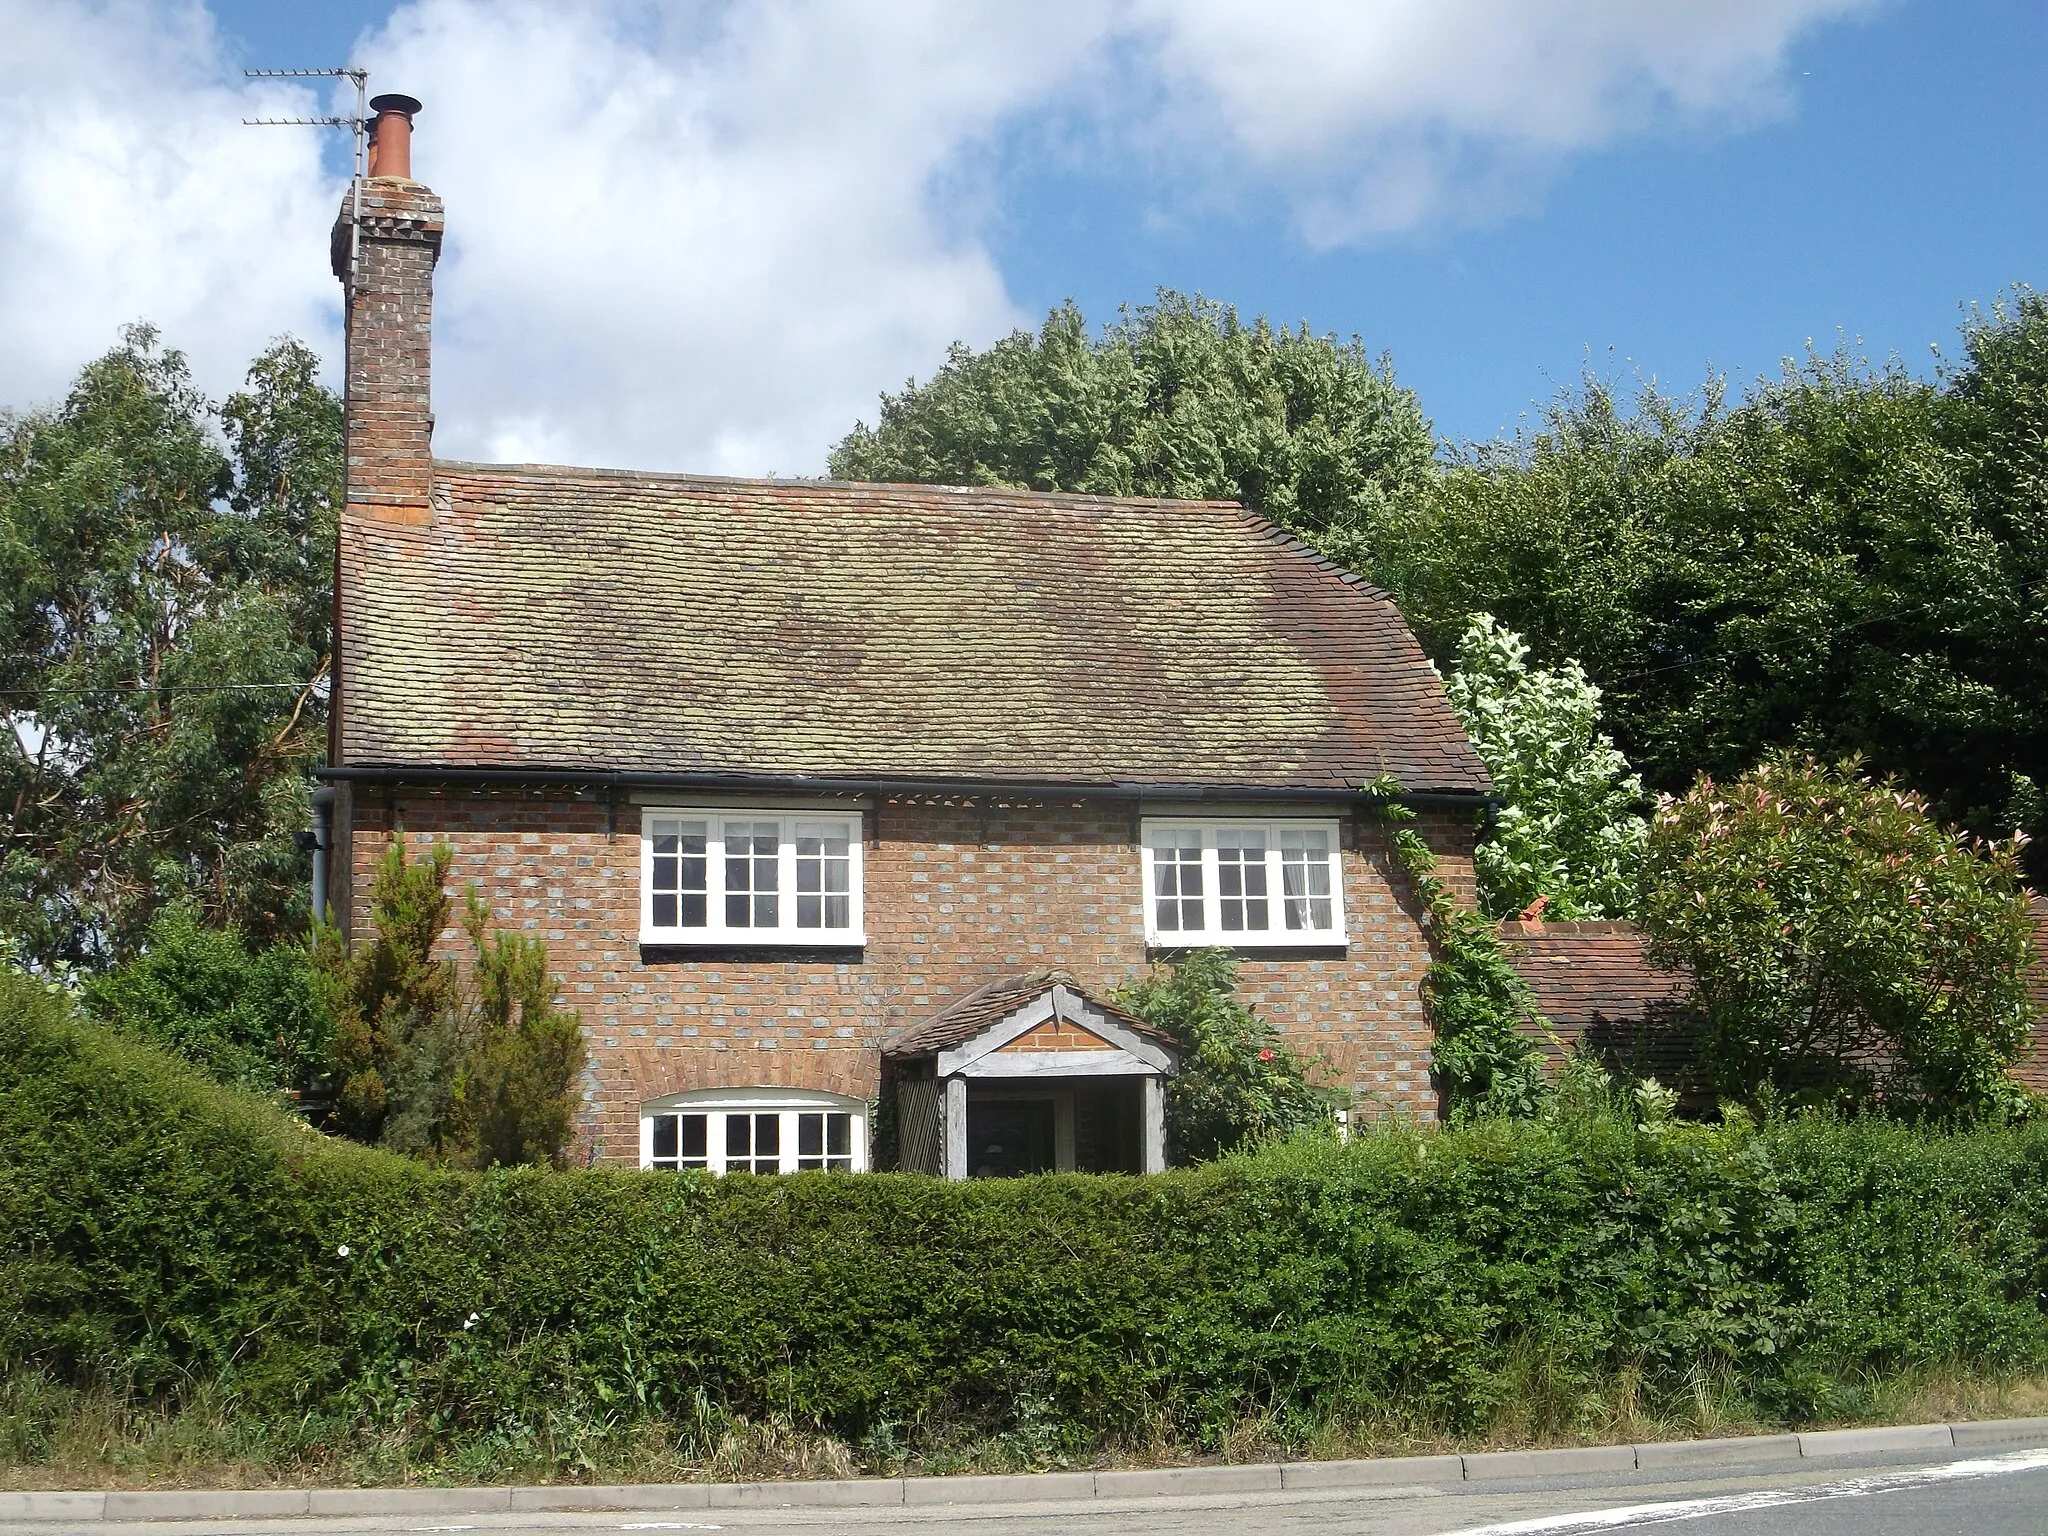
x=811 y=787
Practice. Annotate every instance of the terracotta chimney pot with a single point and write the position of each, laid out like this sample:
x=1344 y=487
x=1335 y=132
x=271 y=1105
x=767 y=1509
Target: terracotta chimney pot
x=391 y=137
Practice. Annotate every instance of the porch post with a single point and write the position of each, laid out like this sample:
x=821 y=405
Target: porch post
x=1155 y=1125
x=956 y=1128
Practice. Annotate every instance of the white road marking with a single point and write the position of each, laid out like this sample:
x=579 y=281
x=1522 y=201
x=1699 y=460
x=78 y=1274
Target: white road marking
x=671 y=1525
x=1769 y=1498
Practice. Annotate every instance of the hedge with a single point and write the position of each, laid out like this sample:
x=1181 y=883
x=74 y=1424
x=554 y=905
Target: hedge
x=159 y=1230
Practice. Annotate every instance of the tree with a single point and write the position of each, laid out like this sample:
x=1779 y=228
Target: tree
x=511 y=1102
x=1845 y=947
x=1175 y=399
x=474 y=1068
x=163 y=634
x=1238 y=1083
x=1849 y=562
x=258 y=1021
x=1568 y=828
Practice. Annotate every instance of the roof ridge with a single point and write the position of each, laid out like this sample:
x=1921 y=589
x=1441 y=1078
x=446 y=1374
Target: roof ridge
x=823 y=483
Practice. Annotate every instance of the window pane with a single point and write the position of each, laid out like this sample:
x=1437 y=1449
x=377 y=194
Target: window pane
x=824 y=1140
x=664 y=1141
x=695 y=1143
x=678 y=873
x=824 y=863
x=750 y=873
x=1241 y=879
x=753 y=1143
x=1305 y=879
x=1177 y=881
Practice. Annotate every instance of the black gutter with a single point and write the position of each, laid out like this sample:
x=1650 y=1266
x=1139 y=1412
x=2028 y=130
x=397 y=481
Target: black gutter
x=616 y=779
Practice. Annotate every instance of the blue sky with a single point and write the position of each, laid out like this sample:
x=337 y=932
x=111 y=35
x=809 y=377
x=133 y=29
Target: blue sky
x=762 y=270
x=1909 y=178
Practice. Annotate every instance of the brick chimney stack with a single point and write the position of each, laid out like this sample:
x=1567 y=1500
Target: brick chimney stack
x=389 y=300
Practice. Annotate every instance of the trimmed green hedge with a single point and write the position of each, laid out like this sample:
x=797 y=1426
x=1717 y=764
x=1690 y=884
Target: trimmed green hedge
x=158 y=1230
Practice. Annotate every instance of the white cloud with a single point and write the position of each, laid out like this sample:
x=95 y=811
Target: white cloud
x=705 y=248
x=1382 y=116
x=130 y=191
x=705 y=237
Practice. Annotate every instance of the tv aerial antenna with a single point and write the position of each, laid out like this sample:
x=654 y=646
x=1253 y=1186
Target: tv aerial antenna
x=358 y=126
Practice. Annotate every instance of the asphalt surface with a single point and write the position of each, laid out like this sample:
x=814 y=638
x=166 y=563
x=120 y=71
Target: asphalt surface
x=2000 y=1494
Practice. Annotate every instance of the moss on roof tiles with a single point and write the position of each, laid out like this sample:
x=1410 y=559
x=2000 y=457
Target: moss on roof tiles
x=581 y=618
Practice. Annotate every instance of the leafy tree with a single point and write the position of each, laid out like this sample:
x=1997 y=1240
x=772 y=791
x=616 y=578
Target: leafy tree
x=258 y=1021
x=1179 y=398
x=1238 y=1084
x=163 y=631
x=1846 y=948
x=472 y=1069
x=1852 y=561
x=1568 y=828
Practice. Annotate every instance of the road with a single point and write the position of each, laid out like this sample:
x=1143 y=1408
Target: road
x=1982 y=1495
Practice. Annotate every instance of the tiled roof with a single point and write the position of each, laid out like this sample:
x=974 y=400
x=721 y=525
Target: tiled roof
x=601 y=620
x=1587 y=973
x=990 y=1005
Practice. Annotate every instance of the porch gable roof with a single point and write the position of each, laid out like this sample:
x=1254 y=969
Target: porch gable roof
x=1008 y=1009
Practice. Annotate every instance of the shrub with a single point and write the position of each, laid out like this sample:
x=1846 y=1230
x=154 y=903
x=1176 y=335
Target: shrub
x=170 y=1235
x=1570 y=826
x=1238 y=1084
x=259 y=1021
x=471 y=1069
x=1846 y=947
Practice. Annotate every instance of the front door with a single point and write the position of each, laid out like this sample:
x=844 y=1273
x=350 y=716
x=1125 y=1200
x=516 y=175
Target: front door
x=1008 y=1137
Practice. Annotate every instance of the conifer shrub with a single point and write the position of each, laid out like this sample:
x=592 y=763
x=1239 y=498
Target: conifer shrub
x=469 y=1067
x=161 y=1232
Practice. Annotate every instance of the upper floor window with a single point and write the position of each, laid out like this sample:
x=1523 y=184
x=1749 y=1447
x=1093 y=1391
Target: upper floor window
x=750 y=877
x=755 y=1130
x=1242 y=883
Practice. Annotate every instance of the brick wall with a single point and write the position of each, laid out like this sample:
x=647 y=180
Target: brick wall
x=956 y=894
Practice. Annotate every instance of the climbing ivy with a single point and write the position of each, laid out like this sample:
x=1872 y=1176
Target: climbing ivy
x=1483 y=1061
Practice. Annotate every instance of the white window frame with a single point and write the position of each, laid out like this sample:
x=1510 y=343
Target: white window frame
x=786 y=933
x=716 y=1104
x=1277 y=935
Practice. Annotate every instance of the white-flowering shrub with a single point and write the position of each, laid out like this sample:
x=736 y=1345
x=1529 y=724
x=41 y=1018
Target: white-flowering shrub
x=1570 y=825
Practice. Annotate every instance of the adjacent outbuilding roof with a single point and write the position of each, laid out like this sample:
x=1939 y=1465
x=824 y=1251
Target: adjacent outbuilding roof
x=1589 y=974
x=606 y=620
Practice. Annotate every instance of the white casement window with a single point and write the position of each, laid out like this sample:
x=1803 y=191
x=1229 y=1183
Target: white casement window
x=750 y=877
x=1242 y=883
x=755 y=1130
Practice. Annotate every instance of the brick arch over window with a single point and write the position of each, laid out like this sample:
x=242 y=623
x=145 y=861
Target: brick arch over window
x=848 y=1072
